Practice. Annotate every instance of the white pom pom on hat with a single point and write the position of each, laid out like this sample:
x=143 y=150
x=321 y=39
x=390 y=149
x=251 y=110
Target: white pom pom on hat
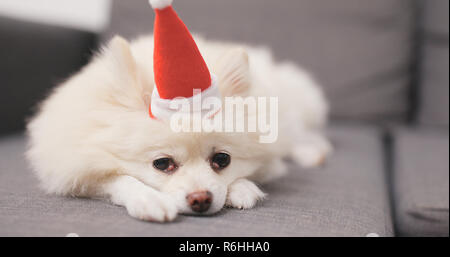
x=160 y=4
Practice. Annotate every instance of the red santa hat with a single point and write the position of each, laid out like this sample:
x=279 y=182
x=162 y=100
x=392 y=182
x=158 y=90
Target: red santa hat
x=178 y=66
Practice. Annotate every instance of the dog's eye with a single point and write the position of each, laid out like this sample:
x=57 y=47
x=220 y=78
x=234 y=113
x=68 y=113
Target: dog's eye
x=220 y=161
x=165 y=164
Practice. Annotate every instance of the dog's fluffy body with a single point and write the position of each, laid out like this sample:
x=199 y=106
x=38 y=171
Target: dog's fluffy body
x=93 y=136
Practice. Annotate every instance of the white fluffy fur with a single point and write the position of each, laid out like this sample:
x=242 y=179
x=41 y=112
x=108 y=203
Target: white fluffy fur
x=160 y=4
x=93 y=135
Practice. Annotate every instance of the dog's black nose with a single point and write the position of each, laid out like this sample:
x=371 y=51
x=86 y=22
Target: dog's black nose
x=199 y=201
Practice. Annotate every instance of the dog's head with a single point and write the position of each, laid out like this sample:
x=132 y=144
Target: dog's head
x=194 y=168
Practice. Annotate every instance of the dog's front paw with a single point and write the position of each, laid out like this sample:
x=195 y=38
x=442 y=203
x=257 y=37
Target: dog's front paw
x=243 y=194
x=152 y=206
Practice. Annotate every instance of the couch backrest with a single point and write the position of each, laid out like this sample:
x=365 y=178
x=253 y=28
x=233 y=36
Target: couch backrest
x=433 y=88
x=42 y=42
x=358 y=49
x=34 y=58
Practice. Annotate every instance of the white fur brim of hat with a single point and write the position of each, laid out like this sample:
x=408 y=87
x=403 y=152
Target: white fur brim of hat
x=163 y=109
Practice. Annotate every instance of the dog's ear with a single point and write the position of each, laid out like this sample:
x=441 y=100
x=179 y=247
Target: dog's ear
x=121 y=63
x=126 y=90
x=233 y=73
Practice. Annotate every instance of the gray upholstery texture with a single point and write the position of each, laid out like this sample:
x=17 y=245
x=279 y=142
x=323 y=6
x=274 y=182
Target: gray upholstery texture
x=434 y=86
x=359 y=50
x=421 y=182
x=347 y=197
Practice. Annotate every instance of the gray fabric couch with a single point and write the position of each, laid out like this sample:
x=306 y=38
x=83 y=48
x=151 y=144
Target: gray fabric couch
x=384 y=67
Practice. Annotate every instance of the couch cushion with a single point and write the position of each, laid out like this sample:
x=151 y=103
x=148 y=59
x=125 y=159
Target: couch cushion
x=421 y=182
x=358 y=49
x=345 y=198
x=434 y=86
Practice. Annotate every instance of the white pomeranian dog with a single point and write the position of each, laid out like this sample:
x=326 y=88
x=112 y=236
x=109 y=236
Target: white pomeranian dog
x=92 y=137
